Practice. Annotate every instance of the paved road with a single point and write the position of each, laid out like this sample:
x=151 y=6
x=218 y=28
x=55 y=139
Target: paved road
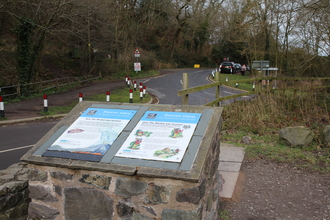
x=16 y=140
x=166 y=88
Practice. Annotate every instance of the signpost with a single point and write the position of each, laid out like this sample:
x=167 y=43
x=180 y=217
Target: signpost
x=137 y=65
x=137 y=53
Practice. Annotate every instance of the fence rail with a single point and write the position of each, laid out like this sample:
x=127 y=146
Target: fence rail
x=261 y=84
x=40 y=87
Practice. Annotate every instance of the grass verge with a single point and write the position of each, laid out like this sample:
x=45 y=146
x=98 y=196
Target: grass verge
x=120 y=95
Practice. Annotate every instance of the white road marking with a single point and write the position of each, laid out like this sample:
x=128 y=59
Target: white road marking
x=17 y=148
x=229 y=92
x=208 y=93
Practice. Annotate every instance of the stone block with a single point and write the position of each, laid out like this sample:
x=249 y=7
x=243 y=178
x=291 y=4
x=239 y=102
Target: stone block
x=36 y=175
x=98 y=181
x=129 y=187
x=191 y=195
x=87 y=203
x=177 y=214
x=42 y=193
x=139 y=216
x=158 y=194
x=124 y=209
x=61 y=175
x=42 y=211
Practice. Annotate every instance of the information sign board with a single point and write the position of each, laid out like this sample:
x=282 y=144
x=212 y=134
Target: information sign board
x=162 y=136
x=137 y=67
x=92 y=133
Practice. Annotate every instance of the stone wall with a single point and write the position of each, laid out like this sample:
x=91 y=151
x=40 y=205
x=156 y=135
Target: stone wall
x=63 y=193
x=122 y=188
x=69 y=194
x=14 y=193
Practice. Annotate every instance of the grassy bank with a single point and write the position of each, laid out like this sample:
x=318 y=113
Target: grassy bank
x=261 y=119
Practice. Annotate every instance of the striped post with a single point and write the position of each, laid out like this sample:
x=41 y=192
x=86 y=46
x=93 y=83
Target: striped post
x=141 y=85
x=144 y=91
x=2 y=108
x=131 y=96
x=45 y=103
x=108 y=96
x=134 y=85
x=253 y=86
x=126 y=79
x=128 y=82
x=236 y=85
x=80 y=97
x=141 y=93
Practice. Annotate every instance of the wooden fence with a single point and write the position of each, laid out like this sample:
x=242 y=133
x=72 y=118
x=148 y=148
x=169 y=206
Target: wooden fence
x=259 y=86
x=40 y=87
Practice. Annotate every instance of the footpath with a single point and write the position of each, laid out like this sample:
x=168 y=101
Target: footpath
x=231 y=158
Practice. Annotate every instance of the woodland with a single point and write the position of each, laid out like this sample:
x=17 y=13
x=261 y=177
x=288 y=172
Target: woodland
x=82 y=37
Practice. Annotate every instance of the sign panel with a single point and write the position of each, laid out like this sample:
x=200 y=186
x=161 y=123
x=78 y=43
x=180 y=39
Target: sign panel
x=137 y=53
x=260 y=64
x=162 y=136
x=93 y=132
x=137 y=67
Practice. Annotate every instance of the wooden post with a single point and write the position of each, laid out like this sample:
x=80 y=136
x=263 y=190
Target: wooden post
x=56 y=88
x=40 y=87
x=217 y=88
x=68 y=79
x=19 y=89
x=185 y=85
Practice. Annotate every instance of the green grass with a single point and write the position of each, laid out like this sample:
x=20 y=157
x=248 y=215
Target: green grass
x=232 y=77
x=120 y=95
x=267 y=146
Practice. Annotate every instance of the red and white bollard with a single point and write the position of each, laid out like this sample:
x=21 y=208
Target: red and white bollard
x=128 y=82
x=134 y=85
x=108 y=96
x=144 y=91
x=80 y=97
x=140 y=85
x=126 y=79
x=131 y=96
x=141 y=93
x=2 y=108
x=45 y=103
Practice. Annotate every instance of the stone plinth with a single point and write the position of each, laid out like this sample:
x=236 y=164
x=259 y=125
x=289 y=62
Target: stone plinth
x=126 y=188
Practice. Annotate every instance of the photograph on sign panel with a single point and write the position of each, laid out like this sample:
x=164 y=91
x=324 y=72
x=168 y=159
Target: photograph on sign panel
x=93 y=132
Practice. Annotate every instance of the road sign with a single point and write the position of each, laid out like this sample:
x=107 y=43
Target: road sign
x=137 y=52
x=137 y=67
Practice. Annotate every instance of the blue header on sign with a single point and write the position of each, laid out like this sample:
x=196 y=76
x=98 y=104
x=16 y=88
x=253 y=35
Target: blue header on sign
x=182 y=117
x=109 y=113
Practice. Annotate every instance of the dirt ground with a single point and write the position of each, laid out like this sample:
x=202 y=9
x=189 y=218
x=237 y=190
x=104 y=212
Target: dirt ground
x=268 y=190
x=265 y=190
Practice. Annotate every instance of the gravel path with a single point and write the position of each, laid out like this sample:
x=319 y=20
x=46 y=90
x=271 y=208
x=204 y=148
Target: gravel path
x=267 y=190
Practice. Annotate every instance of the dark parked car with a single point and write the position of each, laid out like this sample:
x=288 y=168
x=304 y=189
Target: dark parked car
x=227 y=67
x=237 y=68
